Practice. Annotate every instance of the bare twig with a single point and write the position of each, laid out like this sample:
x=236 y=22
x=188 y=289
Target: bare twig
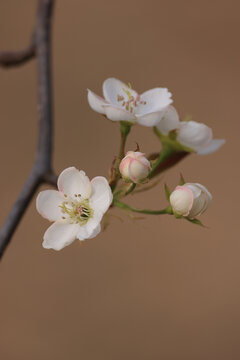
x=42 y=168
x=14 y=58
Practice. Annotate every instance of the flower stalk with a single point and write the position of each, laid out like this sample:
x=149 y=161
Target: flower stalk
x=126 y=207
x=124 y=130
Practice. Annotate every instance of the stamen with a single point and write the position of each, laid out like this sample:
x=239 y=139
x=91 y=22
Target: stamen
x=120 y=98
x=132 y=101
x=78 y=212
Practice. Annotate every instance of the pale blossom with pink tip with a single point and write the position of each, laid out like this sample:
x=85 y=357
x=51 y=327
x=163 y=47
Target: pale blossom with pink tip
x=122 y=103
x=190 y=200
x=135 y=167
x=76 y=208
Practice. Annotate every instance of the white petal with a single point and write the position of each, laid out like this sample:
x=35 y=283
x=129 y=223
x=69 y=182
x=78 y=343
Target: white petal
x=116 y=113
x=170 y=121
x=181 y=200
x=72 y=181
x=212 y=147
x=102 y=196
x=96 y=102
x=202 y=199
x=113 y=88
x=59 y=235
x=95 y=232
x=86 y=231
x=196 y=190
x=151 y=119
x=156 y=99
x=84 y=234
x=138 y=170
x=194 y=135
x=48 y=202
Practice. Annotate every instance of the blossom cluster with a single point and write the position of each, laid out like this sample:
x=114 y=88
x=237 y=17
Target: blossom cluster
x=77 y=208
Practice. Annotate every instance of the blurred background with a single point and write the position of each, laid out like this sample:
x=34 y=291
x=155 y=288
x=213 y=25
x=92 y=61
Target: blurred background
x=158 y=288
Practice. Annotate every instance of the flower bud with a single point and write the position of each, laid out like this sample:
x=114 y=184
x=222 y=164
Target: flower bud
x=134 y=167
x=190 y=200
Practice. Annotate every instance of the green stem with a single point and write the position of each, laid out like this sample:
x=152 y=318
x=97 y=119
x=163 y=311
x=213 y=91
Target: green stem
x=124 y=206
x=124 y=129
x=164 y=154
x=123 y=192
x=132 y=187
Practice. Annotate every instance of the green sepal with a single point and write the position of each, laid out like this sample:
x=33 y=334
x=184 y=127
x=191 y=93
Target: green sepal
x=167 y=191
x=194 y=221
x=125 y=127
x=177 y=216
x=182 y=181
x=171 y=142
x=187 y=118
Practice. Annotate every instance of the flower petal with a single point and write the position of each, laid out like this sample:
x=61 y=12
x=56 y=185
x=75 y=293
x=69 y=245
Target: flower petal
x=156 y=99
x=170 y=121
x=95 y=232
x=202 y=199
x=151 y=119
x=86 y=231
x=96 y=102
x=212 y=147
x=138 y=170
x=181 y=200
x=48 y=202
x=113 y=88
x=102 y=196
x=194 y=135
x=72 y=181
x=59 y=235
x=116 y=113
x=84 y=234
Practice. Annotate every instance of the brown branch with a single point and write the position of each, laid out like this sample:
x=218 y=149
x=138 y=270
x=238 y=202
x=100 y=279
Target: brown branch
x=42 y=168
x=15 y=58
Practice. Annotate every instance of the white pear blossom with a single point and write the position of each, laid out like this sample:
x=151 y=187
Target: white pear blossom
x=76 y=208
x=135 y=167
x=190 y=200
x=198 y=137
x=122 y=103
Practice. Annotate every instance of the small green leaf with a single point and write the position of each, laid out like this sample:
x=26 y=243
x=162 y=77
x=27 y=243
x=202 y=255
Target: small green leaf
x=167 y=191
x=195 y=221
x=182 y=181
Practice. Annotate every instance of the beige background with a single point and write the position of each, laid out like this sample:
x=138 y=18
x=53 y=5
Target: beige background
x=152 y=289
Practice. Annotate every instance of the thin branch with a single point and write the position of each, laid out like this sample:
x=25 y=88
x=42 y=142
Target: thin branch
x=42 y=168
x=15 y=58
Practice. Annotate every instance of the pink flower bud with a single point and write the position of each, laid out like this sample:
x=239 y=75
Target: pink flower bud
x=190 y=200
x=135 y=167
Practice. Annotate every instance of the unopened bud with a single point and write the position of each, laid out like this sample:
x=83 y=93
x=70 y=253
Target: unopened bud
x=190 y=200
x=135 y=167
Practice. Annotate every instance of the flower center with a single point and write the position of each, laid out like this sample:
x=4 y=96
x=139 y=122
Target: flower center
x=132 y=100
x=77 y=212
